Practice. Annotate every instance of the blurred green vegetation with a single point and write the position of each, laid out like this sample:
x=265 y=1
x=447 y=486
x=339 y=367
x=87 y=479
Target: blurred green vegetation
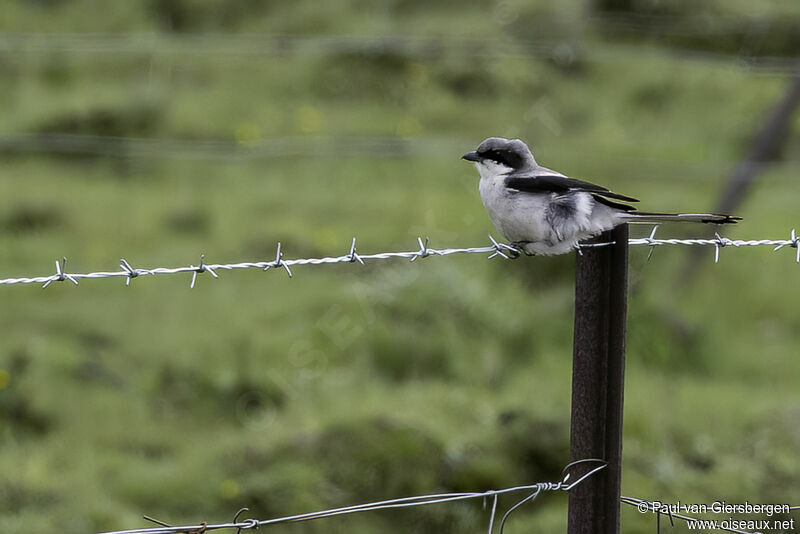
x=157 y=130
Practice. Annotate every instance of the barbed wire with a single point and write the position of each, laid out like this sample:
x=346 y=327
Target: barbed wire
x=405 y=502
x=495 y=249
x=718 y=242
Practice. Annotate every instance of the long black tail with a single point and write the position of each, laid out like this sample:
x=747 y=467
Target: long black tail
x=708 y=218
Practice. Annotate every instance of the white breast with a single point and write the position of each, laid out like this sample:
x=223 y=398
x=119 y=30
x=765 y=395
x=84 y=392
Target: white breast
x=519 y=217
x=534 y=218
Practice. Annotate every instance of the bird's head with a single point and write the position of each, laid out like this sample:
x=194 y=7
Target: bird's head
x=498 y=155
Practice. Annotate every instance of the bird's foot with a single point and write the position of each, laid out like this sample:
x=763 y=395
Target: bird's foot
x=519 y=246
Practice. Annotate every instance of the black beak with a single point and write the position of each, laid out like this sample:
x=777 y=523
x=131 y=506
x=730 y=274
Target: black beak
x=472 y=156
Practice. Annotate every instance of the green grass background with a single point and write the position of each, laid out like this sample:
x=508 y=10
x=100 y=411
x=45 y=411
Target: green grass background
x=225 y=127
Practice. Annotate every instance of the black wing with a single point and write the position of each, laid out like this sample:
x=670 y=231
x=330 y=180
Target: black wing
x=553 y=183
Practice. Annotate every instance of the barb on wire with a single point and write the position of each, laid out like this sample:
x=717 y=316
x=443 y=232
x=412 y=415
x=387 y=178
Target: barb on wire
x=202 y=268
x=501 y=249
x=132 y=273
x=156 y=521
x=721 y=242
x=353 y=255
x=60 y=275
x=793 y=240
x=279 y=262
x=424 y=251
x=494 y=249
x=651 y=242
x=405 y=502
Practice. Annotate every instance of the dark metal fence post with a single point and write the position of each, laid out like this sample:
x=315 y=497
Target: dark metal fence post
x=598 y=374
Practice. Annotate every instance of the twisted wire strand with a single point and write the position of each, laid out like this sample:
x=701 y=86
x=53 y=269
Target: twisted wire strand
x=494 y=249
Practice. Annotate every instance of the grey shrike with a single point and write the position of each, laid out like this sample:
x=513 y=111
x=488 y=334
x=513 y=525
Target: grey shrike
x=541 y=211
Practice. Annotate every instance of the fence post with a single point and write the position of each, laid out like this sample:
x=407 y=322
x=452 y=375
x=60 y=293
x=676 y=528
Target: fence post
x=598 y=373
